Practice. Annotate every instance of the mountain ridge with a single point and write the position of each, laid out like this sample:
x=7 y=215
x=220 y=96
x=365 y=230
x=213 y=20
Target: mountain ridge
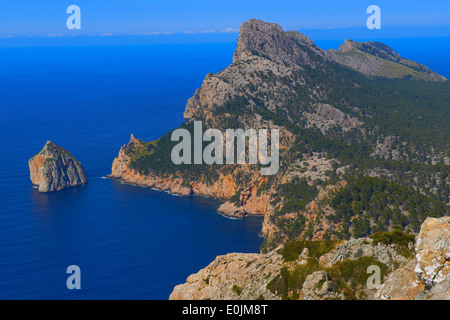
x=347 y=142
x=377 y=59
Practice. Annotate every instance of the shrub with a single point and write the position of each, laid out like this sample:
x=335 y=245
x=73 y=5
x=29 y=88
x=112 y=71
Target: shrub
x=237 y=289
x=294 y=248
x=396 y=237
x=292 y=281
x=351 y=275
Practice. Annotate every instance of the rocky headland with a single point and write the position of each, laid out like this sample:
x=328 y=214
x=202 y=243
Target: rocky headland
x=281 y=80
x=223 y=188
x=54 y=169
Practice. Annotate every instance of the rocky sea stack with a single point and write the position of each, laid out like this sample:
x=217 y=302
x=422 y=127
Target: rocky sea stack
x=54 y=169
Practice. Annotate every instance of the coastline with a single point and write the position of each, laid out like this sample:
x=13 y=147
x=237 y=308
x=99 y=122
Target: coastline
x=225 y=209
x=222 y=189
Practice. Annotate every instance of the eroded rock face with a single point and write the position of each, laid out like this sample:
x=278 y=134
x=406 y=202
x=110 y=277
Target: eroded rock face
x=54 y=169
x=318 y=286
x=270 y=41
x=433 y=251
x=355 y=248
x=440 y=291
x=426 y=276
x=402 y=284
x=121 y=170
x=326 y=116
x=235 y=276
x=250 y=274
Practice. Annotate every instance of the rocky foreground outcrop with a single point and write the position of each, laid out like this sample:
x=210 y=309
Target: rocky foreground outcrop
x=232 y=276
x=54 y=169
x=414 y=271
x=427 y=275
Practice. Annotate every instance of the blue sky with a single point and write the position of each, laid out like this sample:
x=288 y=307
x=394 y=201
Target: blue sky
x=181 y=20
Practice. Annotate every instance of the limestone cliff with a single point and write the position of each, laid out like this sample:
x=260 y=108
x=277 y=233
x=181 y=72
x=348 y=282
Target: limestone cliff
x=224 y=187
x=54 y=169
x=408 y=271
x=121 y=170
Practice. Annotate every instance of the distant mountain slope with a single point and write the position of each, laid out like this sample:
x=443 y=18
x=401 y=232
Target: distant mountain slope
x=378 y=59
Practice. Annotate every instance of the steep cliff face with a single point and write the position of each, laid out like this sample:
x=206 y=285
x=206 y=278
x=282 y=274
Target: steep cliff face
x=358 y=155
x=341 y=273
x=121 y=170
x=54 y=169
x=268 y=63
x=268 y=40
x=224 y=187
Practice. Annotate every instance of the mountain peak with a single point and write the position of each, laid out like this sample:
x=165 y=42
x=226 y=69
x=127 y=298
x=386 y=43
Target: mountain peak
x=294 y=49
x=270 y=41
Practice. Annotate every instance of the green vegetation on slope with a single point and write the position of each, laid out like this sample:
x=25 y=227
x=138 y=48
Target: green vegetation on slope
x=371 y=205
x=396 y=237
x=294 y=248
x=351 y=276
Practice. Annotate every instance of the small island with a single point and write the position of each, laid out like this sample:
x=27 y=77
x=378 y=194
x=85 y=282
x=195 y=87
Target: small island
x=54 y=169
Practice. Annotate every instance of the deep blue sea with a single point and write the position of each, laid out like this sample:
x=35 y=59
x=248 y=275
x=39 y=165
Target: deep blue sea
x=130 y=242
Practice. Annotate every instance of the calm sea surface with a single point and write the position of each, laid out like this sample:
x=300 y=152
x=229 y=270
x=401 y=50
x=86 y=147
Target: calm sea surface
x=130 y=242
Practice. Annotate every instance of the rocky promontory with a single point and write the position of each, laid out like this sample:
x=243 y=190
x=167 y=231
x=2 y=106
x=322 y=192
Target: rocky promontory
x=55 y=168
x=223 y=188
